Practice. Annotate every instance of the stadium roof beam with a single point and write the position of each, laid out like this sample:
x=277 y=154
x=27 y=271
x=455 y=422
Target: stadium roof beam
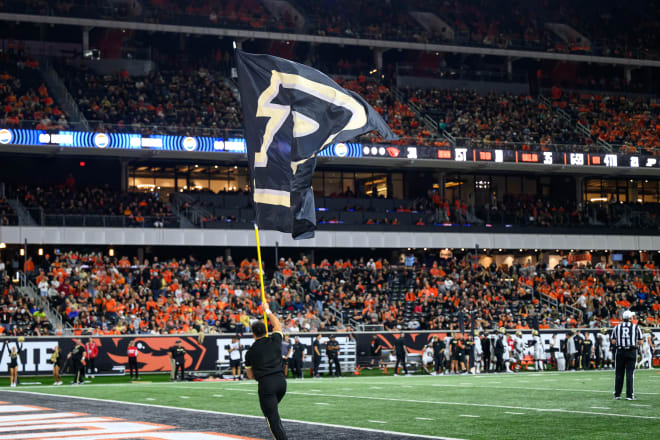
x=239 y=33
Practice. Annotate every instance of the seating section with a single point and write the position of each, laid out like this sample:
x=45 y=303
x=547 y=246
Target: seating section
x=24 y=96
x=93 y=206
x=495 y=118
x=18 y=315
x=7 y=214
x=119 y=295
x=191 y=101
x=627 y=122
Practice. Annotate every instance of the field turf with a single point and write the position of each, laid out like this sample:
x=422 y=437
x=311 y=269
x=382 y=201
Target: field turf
x=575 y=405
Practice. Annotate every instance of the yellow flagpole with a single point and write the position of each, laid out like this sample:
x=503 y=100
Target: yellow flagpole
x=261 y=278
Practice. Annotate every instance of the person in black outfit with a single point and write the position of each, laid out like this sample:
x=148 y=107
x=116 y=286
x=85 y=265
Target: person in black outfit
x=400 y=351
x=297 y=358
x=178 y=354
x=263 y=362
x=316 y=356
x=375 y=350
x=438 y=347
x=578 y=340
x=332 y=350
x=485 y=348
x=13 y=365
x=499 y=349
x=77 y=356
x=626 y=337
x=587 y=351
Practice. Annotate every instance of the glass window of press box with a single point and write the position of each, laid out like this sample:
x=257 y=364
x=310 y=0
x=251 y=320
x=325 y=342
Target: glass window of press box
x=622 y=191
x=222 y=178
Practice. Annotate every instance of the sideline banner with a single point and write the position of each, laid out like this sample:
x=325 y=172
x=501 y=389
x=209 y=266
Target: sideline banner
x=204 y=356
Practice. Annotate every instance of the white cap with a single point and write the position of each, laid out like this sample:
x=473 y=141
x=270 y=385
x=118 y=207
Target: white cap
x=628 y=314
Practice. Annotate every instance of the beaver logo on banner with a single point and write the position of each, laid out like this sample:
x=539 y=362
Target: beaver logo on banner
x=291 y=112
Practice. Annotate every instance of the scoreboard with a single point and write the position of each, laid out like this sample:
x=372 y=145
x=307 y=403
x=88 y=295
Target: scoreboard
x=191 y=145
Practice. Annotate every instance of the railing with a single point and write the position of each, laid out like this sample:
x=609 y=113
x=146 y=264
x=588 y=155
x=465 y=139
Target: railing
x=29 y=289
x=105 y=221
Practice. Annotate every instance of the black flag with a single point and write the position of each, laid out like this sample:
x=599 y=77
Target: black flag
x=291 y=112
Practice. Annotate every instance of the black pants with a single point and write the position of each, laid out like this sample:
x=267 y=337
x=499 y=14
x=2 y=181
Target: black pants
x=625 y=363
x=499 y=363
x=272 y=389
x=91 y=364
x=586 y=361
x=316 y=360
x=297 y=367
x=400 y=358
x=487 y=361
x=437 y=362
x=133 y=366
x=179 y=366
x=334 y=360
x=78 y=371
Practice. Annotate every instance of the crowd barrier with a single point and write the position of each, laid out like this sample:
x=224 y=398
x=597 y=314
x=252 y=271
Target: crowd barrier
x=210 y=352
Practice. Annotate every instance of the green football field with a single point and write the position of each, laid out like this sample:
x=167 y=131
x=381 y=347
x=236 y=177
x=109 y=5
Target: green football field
x=573 y=405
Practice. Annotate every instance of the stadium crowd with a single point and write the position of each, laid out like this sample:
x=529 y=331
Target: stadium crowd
x=193 y=101
x=53 y=205
x=19 y=316
x=108 y=295
x=24 y=95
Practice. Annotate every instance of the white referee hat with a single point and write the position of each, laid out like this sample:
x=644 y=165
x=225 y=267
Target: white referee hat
x=628 y=314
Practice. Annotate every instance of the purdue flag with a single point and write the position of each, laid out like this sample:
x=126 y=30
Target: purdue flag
x=291 y=112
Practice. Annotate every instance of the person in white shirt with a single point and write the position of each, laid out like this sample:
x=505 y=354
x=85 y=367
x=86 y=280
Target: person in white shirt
x=478 y=351
x=605 y=352
x=235 y=358
x=647 y=350
x=43 y=287
x=539 y=350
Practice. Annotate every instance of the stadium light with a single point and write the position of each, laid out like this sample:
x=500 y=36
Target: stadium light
x=3 y=245
x=40 y=252
x=111 y=252
x=22 y=252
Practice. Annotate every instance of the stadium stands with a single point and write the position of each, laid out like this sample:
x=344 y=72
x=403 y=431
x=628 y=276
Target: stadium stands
x=116 y=296
x=24 y=96
x=190 y=101
x=18 y=315
x=64 y=205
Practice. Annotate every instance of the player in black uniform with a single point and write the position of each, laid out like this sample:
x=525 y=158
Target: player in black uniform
x=263 y=362
x=178 y=354
x=400 y=351
x=587 y=352
x=332 y=351
x=578 y=340
x=455 y=353
x=316 y=356
x=469 y=353
x=297 y=358
x=375 y=350
x=77 y=356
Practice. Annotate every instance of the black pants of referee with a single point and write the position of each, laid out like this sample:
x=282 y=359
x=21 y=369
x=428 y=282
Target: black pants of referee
x=316 y=363
x=625 y=364
x=272 y=389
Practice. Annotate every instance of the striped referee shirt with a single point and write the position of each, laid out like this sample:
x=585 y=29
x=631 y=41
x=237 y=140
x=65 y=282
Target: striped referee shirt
x=627 y=335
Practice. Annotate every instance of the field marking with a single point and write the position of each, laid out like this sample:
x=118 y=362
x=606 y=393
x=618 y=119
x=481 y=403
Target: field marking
x=376 y=421
x=321 y=403
x=599 y=407
x=422 y=418
x=206 y=411
x=317 y=391
x=528 y=388
x=184 y=397
x=482 y=405
x=150 y=398
x=514 y=413
x=467 y=415
x=639 y=404
x=218 y=395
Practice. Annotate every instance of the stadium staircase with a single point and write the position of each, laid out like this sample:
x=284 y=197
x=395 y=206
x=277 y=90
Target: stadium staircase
x=184 y=221
x=24 y=217
x=430 y=124
x=61 y=94
x=29 y=290
x=358 y=326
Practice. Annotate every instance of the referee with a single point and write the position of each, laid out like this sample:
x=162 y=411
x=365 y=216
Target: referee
x=263 y=362
x=625 y=337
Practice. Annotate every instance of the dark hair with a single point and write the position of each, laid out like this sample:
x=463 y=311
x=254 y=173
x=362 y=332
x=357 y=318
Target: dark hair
x=258 y=329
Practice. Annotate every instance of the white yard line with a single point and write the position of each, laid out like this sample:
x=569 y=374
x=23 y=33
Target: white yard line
x=514 y=413
x=467 y=415
x=482 y=405
x=376 y=421
x=422 y=418
x=321 y=403
x=203 y=411
x=599 y=407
